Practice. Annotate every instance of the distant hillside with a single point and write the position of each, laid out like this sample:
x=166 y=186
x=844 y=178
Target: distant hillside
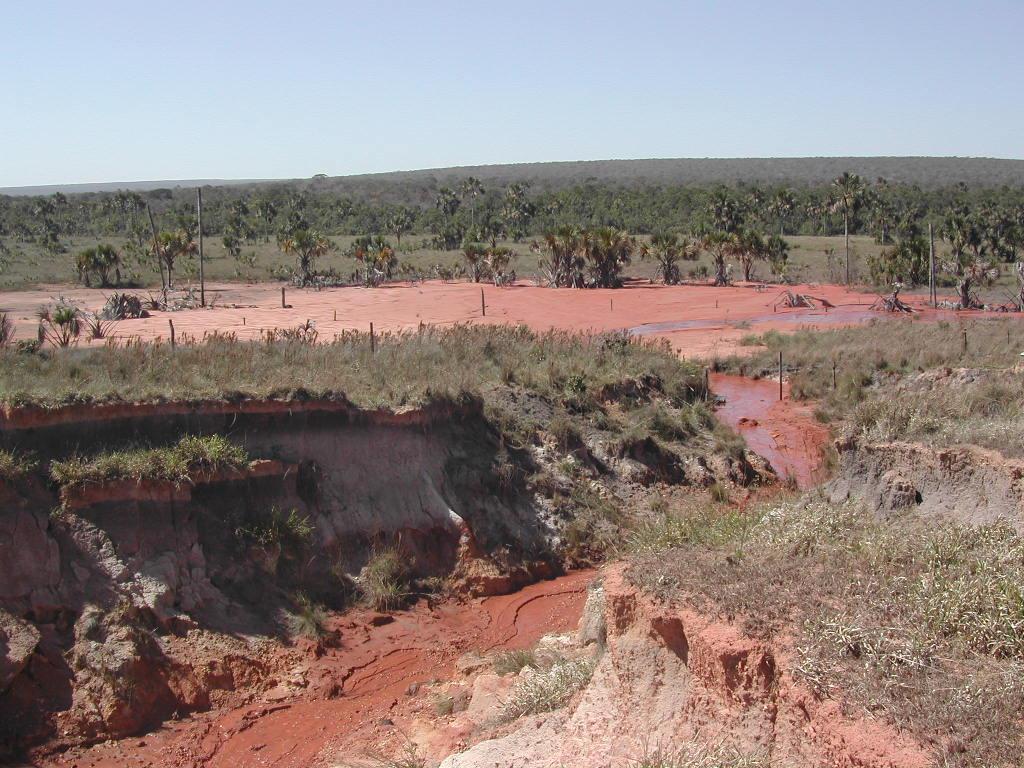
x=928 y=172
x=114 y=186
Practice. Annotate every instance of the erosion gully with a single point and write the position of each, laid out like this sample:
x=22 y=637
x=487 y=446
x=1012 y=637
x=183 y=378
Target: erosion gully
x=359 y=695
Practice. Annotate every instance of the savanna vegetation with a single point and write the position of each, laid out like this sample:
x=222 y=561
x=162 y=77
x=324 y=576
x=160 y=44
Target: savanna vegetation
x=897 y=379
x=593 y=234
x=399 y=369
x=917 y=623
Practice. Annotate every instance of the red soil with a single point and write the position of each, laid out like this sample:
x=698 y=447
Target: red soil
x=360 y=696
x=697 y=319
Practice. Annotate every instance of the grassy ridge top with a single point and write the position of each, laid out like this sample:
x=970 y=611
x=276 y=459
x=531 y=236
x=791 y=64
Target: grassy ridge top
x=923 y=171
x=403 y=369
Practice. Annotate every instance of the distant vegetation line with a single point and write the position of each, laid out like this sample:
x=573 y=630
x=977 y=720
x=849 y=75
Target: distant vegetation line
x=584 y=232
x=928 y=172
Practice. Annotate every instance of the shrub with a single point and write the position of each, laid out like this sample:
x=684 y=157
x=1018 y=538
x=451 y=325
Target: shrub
x=308 y=618
x=384 y=580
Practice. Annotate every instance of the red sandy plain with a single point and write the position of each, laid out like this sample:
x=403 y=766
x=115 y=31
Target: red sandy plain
x=698 y=320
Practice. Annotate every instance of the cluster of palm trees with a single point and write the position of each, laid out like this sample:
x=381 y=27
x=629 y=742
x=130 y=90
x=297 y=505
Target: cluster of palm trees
x=585 y=258
x=96 y=264
x=488 y=261
x=377 y=258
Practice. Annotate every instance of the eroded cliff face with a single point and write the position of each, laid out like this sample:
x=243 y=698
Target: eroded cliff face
x=670 y=676
x=961 y=482
x=124 y=603
x=105 y=588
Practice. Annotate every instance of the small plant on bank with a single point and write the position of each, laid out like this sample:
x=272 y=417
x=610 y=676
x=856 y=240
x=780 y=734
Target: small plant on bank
x=290 y=532
x=15 y=465
x=546 y=690
x=384 y=581
x=308 y=618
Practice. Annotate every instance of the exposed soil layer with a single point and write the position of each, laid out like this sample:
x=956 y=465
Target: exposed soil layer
x=670 y=676
x=781 y=430
x=343 y=702
x=959 y=482
x=697 y=319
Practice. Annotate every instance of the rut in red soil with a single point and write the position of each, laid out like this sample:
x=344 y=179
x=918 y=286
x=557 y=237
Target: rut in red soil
x=782 y=431
x=358 y=695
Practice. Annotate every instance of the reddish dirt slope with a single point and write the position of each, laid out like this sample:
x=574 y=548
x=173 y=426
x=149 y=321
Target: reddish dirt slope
x=354 y=698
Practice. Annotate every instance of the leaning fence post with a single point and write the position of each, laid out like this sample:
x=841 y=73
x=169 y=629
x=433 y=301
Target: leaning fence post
x=483 y=304
x=780 y=374
x=171 y=323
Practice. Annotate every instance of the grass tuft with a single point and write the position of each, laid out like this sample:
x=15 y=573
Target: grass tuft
x=174 y=463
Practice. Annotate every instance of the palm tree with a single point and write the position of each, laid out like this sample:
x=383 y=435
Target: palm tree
x=307 y=246
x=724 y=211
x=171 y=245
x=471 y=188
x=719 y=245
x=848 y=196
x=447 y=202
x=497 y=259
x=749 y=247
x=474 y=254
x=968 y=262
x=265 y=210
x=782 y=205
x=399 y=221
x=777 y=252
x=377 y=257
x=609 y=251
x=97 y=262
x=668 y=250
x=561 y=257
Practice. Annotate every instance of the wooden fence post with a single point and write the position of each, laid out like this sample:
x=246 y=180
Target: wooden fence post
x=780 y=374
x=171 y=323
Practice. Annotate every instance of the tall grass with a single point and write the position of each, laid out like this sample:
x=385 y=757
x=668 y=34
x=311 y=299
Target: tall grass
x=403 y=368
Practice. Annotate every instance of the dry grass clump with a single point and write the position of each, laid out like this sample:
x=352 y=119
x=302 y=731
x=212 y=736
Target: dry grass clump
x=15 y=465
x=924 y=625
x=384 y=581
x=514 y=661
x=547 y=689
x=307 y=619
x=174 y=463
x=401 y=368
x=698 y=755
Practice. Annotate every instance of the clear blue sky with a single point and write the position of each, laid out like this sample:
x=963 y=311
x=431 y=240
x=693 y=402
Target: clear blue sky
x=105 y=90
